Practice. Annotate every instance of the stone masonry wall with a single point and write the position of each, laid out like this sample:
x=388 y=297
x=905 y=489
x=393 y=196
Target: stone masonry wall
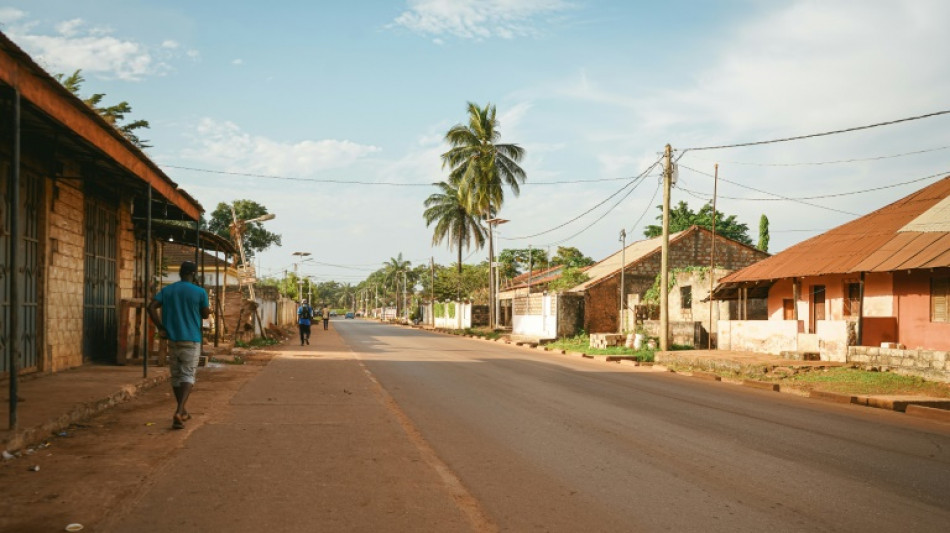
x=929 y=364
x=125 y=266
x=601 y=302
x=64 y=302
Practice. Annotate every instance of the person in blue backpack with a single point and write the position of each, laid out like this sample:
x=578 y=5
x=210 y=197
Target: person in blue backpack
x=183 y=304
x=304 y=317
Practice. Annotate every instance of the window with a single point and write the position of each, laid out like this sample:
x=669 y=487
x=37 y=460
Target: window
x=686 y=297
x=852 y=299
x=939 y=299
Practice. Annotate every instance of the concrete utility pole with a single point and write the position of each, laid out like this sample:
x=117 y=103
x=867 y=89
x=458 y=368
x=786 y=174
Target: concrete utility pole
x=665 y=255
x=623 y=290
x=712 y=257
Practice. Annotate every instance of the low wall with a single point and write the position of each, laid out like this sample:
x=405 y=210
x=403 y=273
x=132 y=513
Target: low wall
x=929 y=364
x=764 y=336
x=681 y=332
x=833 y=340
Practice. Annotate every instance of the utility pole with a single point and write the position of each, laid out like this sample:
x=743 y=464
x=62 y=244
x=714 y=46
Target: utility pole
x=530 y=268
x=712 y=258
x=432 y=289
x=665 y=254
x=623 y=266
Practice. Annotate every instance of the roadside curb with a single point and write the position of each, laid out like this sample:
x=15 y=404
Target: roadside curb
x=929 y=413
x=24 y=437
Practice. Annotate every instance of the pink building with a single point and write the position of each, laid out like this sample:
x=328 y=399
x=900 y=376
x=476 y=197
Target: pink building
x=881 y=281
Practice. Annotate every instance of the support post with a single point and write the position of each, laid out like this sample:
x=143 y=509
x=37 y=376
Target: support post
x=14 y=231
x=623 y=286
x=712 y=258
x=146 y=283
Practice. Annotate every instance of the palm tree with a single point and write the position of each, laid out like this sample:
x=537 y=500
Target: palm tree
x=481 y=167
x=453 y=221
x=392 y=271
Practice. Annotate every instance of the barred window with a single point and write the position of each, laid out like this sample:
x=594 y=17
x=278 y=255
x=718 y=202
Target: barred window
x=686 y=297
x=852 y=298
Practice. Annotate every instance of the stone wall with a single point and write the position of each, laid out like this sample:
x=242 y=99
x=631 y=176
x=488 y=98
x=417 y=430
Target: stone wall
x=64 y=290
x=929 y=364
x=570 y=314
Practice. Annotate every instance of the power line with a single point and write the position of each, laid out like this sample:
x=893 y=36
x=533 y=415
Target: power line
x=770 y=193
x=633 y=182
x=835 y=195
x=647 y=210
x=363 y=182
x=822 y=134
x=839 y=161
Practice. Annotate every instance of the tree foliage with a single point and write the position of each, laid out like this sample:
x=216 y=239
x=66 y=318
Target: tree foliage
x=114 y=114
x=682 y=217
x=453 y=220
x=763 y=233
x=570 y=277
x=255 y=237
x=571 y=257
x=480 y=166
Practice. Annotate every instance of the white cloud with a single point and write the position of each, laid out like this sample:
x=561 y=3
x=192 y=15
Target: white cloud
x=74 y=44
x=237 y=61
x=10 y=14
x=478 y=19
x=224 y=145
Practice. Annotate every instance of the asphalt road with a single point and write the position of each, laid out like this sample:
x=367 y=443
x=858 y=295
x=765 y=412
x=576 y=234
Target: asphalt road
x=394 y=429
x=548 y=442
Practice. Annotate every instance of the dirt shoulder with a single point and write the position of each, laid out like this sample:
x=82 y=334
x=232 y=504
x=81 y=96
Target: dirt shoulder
x=87 y=469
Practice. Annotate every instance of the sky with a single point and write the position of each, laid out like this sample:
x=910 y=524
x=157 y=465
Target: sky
x=333 y=114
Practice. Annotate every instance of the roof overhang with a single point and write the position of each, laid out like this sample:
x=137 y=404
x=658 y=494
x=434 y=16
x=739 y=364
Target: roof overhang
x=48 y=106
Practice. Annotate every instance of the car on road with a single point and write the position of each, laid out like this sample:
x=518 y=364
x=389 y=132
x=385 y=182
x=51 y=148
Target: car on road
x=349 y=315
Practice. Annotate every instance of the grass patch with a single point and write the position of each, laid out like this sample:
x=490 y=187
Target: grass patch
x=854 y=381
x=256 y=342
x=581 y=343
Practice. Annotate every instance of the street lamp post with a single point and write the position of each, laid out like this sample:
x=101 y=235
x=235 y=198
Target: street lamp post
x=495 y=303
x=301 y=255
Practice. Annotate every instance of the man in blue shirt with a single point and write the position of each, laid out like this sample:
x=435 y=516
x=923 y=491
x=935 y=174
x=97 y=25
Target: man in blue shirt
x=184 y=304
x=304 y=316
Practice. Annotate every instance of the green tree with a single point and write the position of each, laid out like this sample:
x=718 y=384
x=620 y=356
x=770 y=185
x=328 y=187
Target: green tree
x=517 y=261
x=682 y=217
x=453 y=221
x=481 y=167
x=763 y=233
x=571 y=257
x=114 y=115
x=255 y=237
x=570 y=277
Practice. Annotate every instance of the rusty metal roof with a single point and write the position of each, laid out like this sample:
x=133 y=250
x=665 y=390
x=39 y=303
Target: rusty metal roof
x=882 y=241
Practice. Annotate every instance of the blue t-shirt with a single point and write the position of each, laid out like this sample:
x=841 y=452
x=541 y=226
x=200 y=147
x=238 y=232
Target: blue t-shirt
x=182 y=303
x=303 y=318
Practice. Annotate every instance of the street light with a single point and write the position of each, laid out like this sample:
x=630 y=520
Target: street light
x=301 y=255
x=495 y=303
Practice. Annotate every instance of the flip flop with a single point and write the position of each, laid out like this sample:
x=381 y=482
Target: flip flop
x=178 y=422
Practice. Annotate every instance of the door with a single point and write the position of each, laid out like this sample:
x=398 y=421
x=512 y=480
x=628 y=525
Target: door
x=100 y=325
x=26 y=272
x=817 y=306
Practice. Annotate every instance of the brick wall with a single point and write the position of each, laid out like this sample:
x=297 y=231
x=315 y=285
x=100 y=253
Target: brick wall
x=602 y=304
x=64 y=289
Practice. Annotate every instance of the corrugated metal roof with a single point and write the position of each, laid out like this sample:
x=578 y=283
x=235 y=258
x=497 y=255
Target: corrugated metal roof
x=882 y=241
x=633 y=253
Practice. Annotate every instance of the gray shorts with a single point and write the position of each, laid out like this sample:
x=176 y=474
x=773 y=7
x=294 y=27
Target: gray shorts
x=183 y=361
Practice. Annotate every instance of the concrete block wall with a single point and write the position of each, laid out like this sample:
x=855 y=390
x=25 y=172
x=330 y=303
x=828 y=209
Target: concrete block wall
x=64 y=303
x=929 y=364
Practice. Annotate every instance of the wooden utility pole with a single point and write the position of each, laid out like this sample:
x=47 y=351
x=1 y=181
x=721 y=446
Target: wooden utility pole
x=665 y=252
x=623 y=290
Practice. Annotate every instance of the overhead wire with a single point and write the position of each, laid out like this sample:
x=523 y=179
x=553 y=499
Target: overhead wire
x=771 y=193
x=635 y=182
x=821 y=134
x=834 y=162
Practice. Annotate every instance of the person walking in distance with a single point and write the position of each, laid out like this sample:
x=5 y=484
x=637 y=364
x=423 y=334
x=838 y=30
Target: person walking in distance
x=304 y=316
x=184 y=304
x=325 y=312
